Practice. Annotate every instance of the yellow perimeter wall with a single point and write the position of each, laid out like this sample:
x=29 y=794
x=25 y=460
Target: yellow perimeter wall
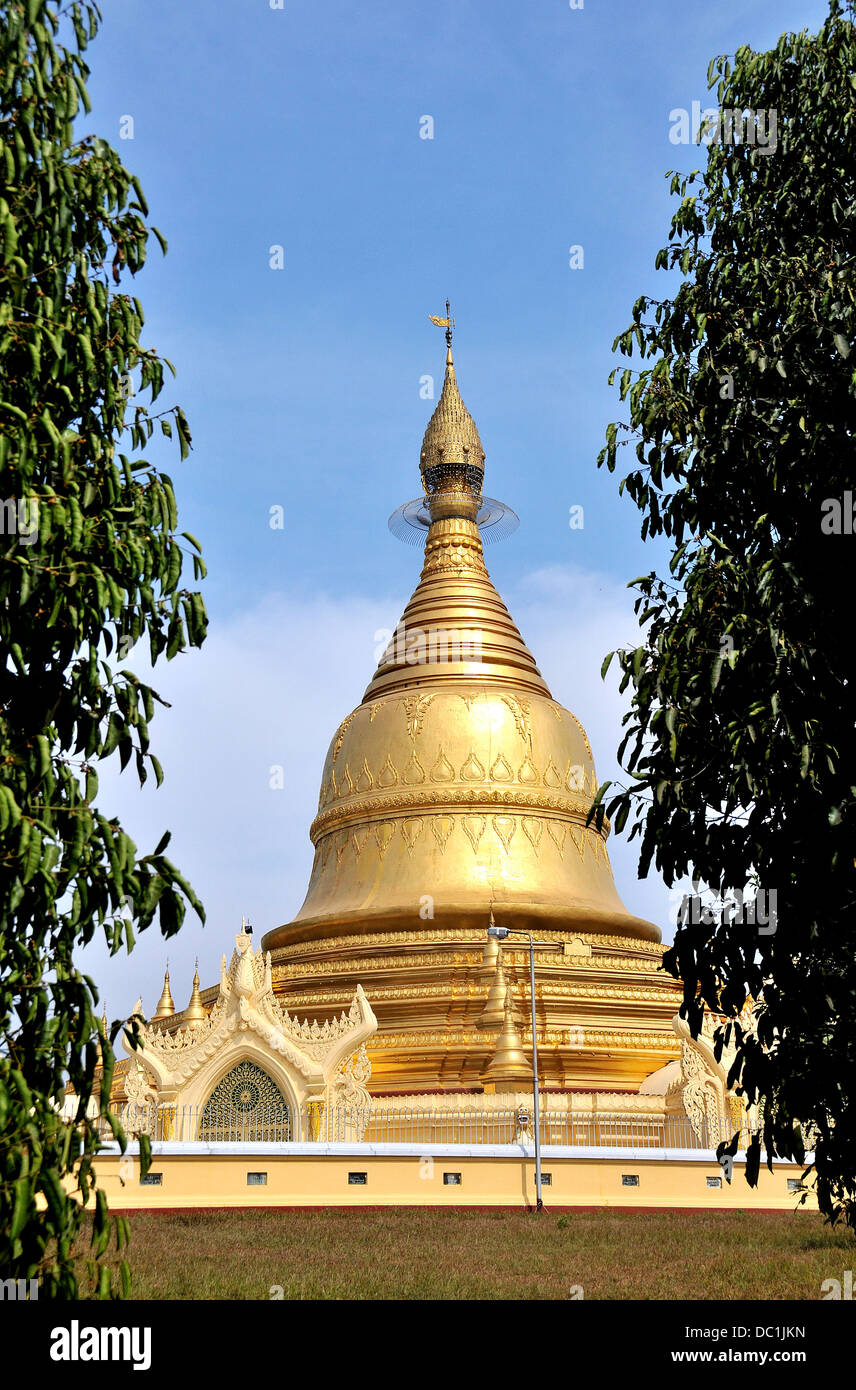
x=300 y=1180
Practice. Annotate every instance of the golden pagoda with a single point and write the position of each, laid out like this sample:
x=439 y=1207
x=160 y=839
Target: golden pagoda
x=459 y=787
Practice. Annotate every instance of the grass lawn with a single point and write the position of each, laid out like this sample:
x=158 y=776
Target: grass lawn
x=418 y=1254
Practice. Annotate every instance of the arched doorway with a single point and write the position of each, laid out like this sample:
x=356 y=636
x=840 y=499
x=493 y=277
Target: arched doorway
x=246 y=1106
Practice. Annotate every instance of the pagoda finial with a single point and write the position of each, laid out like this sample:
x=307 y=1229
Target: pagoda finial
x=195 y=1013
x=509 y=1065
x=165 y=1005
x=452 y=457
x=448 y=323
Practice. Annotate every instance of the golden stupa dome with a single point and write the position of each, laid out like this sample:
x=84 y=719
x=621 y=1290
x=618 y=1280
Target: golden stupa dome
x=458 y=783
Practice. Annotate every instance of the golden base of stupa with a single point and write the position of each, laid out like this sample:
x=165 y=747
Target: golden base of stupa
x=604 y=1011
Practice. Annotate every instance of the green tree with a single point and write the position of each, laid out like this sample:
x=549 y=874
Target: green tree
x=741 y=733
x=91 y=563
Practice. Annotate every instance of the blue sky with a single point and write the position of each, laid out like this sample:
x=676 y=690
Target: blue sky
x=299 y=127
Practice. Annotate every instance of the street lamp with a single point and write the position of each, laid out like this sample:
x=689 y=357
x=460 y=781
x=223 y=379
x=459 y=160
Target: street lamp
x=500 y=933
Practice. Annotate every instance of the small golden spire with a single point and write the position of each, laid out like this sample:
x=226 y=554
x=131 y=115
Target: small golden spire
x=489 y=956
x=509 y=1065
x=493 y=1013
x=165 y=1005
x=195 y=1013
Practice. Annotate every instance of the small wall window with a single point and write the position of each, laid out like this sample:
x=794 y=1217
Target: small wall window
x=714 y=1182
x=152 y=1180
x=629 y=1179
x=256 y=1179
x=546 y=1179
x=452 y=1179
x=358 y=1179
x=794 y=1184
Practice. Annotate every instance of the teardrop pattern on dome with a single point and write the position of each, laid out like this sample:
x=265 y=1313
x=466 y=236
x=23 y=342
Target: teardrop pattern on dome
x=501 y=771
x=442 y=827
x=532 y=829
x=505 y=827
x=359 y=840
x=472 y=770
x=383 y=836
x=347 y=786
x=411 y=829
x=387 y=776
x=528 y=773
x=364 y=781
x=474 y=827
x=442 y=771
x=552 y=776
x=414 y=772
x=558 y=830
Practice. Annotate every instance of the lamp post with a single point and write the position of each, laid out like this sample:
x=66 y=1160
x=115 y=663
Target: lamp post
x=500 y=933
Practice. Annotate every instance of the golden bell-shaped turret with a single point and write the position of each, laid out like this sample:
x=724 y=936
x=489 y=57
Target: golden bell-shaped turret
x=509 y=1069
x=195 y=1013
x=165 y=1005
x=493 y=1013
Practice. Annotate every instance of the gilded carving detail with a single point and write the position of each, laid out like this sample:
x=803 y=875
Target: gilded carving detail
x=415 y=708
x=528 y=773
x=340 y=734
x=387 y=776
x=558 y=830
x=505 y=827
x=570 y=807
x=414 y=772
x=472 y=770
x=411 y=829
x=552 y=775
x=442 y=771
x=383 y=836
x=522 y=712
x=532 y=829
x=629 y=957
x=442 y=827
x=501 y=770
x=473 y=827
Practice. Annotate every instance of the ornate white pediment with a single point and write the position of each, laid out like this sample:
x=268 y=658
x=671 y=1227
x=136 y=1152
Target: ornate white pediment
x=247 y=1020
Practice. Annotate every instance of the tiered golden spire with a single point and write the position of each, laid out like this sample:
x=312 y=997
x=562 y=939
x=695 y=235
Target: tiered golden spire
x=455 y=610
x=165 y=1003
